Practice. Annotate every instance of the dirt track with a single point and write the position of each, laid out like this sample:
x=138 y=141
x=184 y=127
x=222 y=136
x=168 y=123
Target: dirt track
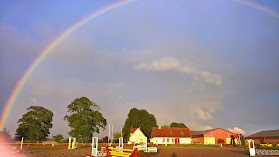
x=162 y=152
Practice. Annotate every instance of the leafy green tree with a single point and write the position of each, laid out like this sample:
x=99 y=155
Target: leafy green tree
x=116 y=136
x=242 y=139
x=35 y=124
x=84 y=119
x=139 y=118
x=177 y=125
x=5 y=134
x=58 y=138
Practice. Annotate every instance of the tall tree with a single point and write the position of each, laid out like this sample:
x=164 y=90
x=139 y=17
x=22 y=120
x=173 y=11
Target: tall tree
x=139 y=118
x=35 y=124
x=84 y=119
x=177 y=125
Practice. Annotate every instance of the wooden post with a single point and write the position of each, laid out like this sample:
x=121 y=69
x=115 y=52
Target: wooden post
x=69 y=147
x=21 y=143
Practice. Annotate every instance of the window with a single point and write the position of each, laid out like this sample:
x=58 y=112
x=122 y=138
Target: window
x=182 y=133
x=171 y=132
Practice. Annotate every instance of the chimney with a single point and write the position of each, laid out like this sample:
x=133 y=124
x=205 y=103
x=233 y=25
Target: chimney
x=159 y=127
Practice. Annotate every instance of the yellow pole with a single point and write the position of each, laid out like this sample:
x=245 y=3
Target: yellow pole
x=52 y=144
x=69 y=147
x=21 y=143
x=221 y=145
x=73 y=144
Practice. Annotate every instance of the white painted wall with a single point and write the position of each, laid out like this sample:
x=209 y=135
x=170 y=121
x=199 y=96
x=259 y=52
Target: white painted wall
x=185 y=140
x=171 y=140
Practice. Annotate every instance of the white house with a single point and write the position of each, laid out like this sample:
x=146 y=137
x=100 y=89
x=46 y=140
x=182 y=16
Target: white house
x=137 y=136
x=171 y=135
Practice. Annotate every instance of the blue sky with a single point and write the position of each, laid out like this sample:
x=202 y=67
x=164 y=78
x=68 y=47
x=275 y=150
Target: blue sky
x=206 y=64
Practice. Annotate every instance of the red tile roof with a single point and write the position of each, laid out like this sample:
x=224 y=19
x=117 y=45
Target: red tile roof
x=132 y=130
x=170 y=132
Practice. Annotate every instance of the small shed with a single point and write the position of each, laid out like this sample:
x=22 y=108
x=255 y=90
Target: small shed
x=168 y=135
x=214 y=136
x=267 y=136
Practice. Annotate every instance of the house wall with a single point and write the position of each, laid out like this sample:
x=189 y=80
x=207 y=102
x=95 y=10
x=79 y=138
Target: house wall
x=185 y=140
x=273 y=140
x=209 y=140
x=137 y=137
x=198 y=140
x=219 y=135
x=138 y=140
x=170 y=140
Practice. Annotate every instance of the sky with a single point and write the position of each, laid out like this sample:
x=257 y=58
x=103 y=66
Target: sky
x=206 y=64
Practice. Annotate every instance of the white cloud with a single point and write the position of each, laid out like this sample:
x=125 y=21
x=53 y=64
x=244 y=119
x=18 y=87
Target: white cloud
x=237 y=130
x=167 y=63
x=200 y=114
x=170 y=63
x=194 y=126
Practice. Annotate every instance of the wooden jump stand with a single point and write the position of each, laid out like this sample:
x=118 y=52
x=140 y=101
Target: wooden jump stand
x=109 y=151
x=121 y=152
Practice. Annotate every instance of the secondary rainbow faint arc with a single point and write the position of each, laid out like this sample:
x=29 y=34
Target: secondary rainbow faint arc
x=48 y=49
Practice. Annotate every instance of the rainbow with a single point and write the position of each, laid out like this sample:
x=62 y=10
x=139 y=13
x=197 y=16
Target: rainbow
x=259 y=7
x=71 y=29
x=48 y=49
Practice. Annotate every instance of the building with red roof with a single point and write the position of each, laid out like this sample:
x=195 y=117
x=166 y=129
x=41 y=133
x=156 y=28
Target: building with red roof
x=266 y=136
x=162 y=135
x=214 y=136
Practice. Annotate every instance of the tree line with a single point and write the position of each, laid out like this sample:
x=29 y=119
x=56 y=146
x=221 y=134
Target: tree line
x=84 y=118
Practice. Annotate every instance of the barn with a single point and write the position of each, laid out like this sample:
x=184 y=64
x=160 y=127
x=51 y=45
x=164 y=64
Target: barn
x=167 y=135
x=214 y=136
x=268 y=136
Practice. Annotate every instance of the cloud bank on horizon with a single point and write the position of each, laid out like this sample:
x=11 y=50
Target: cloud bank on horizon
x=205 y=64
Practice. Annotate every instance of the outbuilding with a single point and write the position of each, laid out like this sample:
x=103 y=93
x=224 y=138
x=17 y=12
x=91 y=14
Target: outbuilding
x=267 y=136
x=168 y=135
x=214 y=136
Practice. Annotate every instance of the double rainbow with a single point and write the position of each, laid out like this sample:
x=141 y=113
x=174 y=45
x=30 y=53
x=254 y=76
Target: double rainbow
x=83 y=21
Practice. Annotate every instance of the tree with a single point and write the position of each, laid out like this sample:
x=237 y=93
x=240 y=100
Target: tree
x=139 y=118
x=242 y=139
x=116 y=136
x=35 y=124
x=5 y=134
x=58 y=138
x=84 y=119
x=177 y=125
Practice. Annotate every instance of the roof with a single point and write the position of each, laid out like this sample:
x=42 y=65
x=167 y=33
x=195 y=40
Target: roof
x=266 y=133
x=207 y=131
x=194 y=132
x=170 y=132
x=132 y=130
x=203 y=132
